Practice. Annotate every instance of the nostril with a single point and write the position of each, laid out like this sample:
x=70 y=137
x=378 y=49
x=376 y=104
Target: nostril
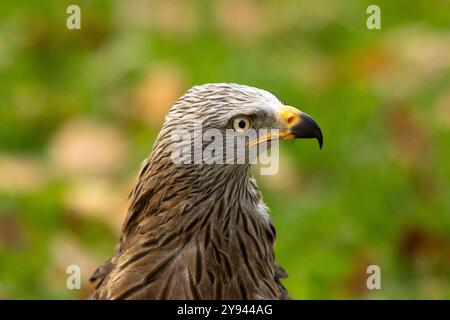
x=291 y=119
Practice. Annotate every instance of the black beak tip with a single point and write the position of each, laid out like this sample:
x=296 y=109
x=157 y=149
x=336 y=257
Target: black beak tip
x=319 y=137
x=308 y=128
x=320 y=140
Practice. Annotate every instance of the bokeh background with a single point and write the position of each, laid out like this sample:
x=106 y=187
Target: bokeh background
x=79 y=111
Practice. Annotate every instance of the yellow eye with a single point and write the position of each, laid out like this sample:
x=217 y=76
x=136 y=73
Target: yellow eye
x=241 y=124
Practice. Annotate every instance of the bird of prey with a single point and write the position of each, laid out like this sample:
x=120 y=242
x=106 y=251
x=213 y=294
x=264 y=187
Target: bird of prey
x=202 y=231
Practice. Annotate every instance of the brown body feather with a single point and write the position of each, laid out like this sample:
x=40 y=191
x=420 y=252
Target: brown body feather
x=197 y=248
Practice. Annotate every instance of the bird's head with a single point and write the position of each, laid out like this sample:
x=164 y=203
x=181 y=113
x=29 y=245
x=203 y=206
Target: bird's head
x=197 y=127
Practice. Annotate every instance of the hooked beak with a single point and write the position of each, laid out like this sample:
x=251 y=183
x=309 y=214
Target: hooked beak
x=297 y=124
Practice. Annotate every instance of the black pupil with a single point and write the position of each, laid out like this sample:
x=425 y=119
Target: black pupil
x=242 y=124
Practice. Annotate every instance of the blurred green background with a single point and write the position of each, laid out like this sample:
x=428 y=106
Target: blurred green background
x=79 y=111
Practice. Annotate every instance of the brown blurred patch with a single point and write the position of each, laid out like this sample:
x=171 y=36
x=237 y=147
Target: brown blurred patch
x=65 y=252
x=419 y=248
x=98 y=198
x=370 y=63
x=410 y=57
x=177 y=17
x=83 y=146
x=410 y=142
x=427 y=51
x=247 y=19
x=20 y=173
x=11 y=232
x=411 y=147
x=355 y=284
x=48 y=33
x=157 y=92
x=425 y=255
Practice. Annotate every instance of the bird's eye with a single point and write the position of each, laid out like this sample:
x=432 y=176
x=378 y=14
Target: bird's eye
x=241 y=124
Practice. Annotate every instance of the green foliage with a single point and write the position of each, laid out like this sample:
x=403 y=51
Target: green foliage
x=378 y=193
